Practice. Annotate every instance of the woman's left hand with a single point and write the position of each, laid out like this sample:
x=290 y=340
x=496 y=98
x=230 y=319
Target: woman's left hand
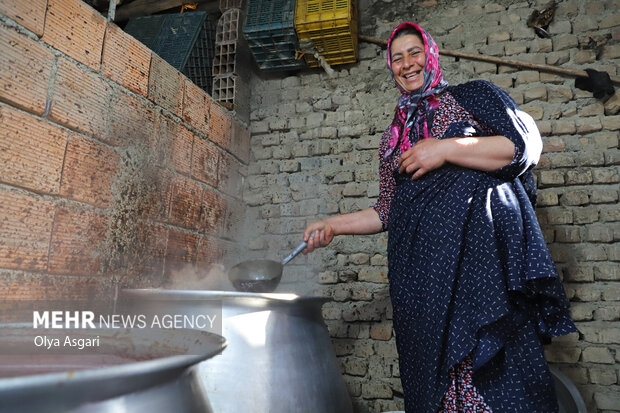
x=423 y=157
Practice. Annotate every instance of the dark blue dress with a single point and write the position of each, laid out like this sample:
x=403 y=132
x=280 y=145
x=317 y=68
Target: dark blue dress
x=470 y=272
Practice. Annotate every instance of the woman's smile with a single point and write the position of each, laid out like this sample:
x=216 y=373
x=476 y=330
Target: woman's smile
x=413 y=76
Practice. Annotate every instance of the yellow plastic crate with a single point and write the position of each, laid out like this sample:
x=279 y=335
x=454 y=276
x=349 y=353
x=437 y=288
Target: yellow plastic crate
x=330 y=26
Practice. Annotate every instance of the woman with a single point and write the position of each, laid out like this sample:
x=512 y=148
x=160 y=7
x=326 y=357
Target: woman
x=473 y=288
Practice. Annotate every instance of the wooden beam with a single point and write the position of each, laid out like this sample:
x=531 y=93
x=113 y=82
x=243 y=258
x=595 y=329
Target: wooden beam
x=112 y=10
x=139 y=8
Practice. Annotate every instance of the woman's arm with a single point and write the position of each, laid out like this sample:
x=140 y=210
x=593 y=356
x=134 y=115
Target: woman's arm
x=361 y=222
x=498 y=112
x=482 y=153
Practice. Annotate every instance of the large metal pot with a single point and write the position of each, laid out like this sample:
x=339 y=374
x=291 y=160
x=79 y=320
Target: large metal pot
x=133 y=373
x=279 y=357
x=569 y=399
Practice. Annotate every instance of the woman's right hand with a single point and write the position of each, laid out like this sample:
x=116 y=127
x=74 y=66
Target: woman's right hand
x=321 y=233
x=318 y=234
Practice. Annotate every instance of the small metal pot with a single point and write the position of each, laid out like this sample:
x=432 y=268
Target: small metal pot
x=134 y=373
x=261 y=276
x=256 y=276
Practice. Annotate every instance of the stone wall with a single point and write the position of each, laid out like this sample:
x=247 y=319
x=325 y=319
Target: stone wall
x=115 y=169
x=314 y=154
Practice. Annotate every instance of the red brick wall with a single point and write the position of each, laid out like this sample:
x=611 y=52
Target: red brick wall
x=114 y=167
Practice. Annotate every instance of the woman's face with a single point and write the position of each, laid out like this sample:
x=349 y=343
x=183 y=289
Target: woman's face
x=408 y=59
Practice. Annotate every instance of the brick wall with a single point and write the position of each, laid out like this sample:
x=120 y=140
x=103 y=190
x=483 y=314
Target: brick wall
x=115 y=169
x=314 y=153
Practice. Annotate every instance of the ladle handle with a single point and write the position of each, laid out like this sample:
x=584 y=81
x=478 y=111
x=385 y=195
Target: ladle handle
x=296 y=251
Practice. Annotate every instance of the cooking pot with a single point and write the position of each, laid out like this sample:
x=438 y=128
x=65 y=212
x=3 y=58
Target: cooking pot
x=256 y=276
x=279 y=357
x=135 y=371
x=569 y=399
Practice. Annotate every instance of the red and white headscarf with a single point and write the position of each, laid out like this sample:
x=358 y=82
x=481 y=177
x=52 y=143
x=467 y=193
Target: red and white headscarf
x=416 y=109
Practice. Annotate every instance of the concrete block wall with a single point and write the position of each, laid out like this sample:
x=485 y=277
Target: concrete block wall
x=314 y=153
x=115 y=169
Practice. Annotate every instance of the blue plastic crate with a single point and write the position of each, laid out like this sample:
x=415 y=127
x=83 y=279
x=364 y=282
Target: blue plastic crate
x=177 y=37
x=269 y=29
x=146 y=29
x=198 y=64
x=186 y=41
x=264 y=15
x=276 y=55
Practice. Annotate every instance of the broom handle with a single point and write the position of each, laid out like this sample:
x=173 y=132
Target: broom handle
x=501 y=61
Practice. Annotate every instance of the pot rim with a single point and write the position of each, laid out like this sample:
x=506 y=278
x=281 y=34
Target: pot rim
x=134 y=375
x=181 y=295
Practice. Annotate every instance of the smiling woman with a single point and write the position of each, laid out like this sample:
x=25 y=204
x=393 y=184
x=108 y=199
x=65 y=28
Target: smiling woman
x=473 y=288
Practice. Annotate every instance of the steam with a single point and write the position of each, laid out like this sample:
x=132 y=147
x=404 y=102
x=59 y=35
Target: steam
x=192 y=277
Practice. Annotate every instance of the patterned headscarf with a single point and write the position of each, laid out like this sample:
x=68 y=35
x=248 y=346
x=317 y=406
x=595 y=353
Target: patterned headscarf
x=406 y=117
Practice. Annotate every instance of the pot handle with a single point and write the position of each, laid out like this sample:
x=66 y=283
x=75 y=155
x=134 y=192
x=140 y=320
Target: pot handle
x=296 y=251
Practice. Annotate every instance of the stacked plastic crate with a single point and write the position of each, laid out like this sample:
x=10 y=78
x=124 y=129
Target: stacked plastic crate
x=198 y=64
x=328 y=27
x=186 y=41
x=231 y=63
x=270 y=31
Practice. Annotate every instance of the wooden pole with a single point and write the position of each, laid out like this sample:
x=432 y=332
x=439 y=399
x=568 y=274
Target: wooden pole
x=502 y=61
x=111 y=10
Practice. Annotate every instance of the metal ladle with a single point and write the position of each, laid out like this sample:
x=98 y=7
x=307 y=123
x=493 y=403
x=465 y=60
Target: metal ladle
x=261 y=276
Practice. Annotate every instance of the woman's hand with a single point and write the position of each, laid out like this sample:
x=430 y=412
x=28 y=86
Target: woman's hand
x=321 y=233
x=318 y=234
x=425 y=156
